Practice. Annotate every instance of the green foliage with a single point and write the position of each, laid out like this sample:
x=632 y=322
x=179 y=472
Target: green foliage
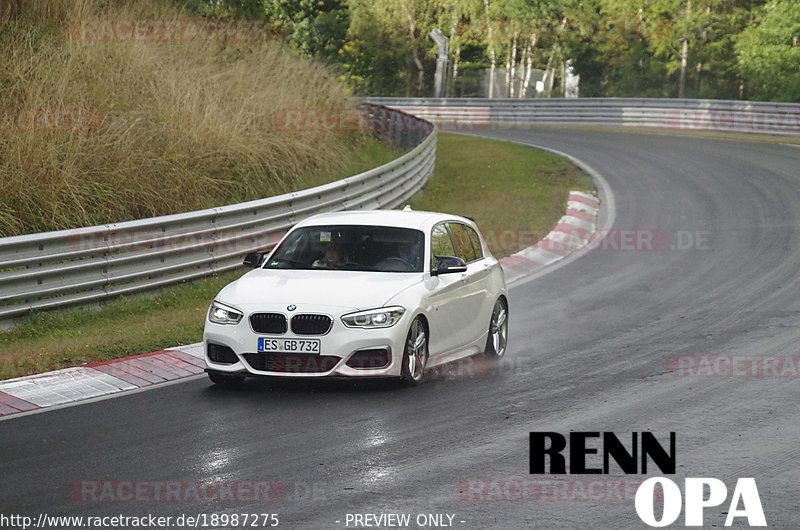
x=225 y=8
x=769 y=52
x=392 y=35
x=523 y=191
x=313 y=27
x=658 y=48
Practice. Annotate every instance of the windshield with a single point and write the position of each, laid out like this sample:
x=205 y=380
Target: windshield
x=352 y=248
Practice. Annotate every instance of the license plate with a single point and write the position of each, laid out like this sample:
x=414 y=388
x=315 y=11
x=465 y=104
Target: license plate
x=266 y=345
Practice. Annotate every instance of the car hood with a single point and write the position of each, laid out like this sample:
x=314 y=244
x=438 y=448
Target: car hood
x=274 y=289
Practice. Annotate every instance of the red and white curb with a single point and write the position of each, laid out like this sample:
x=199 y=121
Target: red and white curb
x=70 y=385
x=573 y=232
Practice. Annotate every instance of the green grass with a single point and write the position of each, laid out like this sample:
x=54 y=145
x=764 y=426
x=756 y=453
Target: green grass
x=49 y=341
x=513 y=192
x=516 y=194
x=372 y=154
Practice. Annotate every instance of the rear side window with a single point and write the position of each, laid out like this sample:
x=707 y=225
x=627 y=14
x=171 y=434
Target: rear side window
x=462 y=241
x=476 y=243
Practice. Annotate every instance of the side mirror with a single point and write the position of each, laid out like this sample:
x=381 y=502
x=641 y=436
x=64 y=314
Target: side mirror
x=254 y=259
x=449 y=265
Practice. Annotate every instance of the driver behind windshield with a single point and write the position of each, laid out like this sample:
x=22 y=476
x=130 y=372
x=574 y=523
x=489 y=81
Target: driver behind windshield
x=410 y=253
x=334 y=258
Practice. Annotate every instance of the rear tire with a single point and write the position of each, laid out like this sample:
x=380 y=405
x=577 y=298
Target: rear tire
x=415 y=353
x=497 y=341
x=230 y=380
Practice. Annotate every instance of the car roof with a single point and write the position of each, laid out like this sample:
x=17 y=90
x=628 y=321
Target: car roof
x=397 y=218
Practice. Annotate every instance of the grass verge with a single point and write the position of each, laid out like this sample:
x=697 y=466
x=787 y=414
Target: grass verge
x=49 y=341
x=515 y=193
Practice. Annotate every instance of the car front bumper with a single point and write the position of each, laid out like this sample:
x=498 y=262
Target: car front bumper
x=340 y=346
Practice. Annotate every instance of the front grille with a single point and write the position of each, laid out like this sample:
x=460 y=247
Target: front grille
x=311 y=324
x=273 y=323
x=291 y=363
x=221 y=354
x=369 y=359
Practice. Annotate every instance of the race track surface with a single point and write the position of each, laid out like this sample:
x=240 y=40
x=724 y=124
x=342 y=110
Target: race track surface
x=590 y=350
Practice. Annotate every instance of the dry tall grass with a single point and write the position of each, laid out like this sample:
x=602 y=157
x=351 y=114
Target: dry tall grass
x=186 y=124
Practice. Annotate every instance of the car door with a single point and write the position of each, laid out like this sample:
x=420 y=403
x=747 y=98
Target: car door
x=475 y=292
x=444 y=308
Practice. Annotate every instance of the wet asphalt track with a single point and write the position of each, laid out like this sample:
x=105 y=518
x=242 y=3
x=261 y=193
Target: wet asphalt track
x=590 y=343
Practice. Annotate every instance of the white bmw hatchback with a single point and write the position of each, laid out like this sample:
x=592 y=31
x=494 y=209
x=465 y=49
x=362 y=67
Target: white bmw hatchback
x=382 y=293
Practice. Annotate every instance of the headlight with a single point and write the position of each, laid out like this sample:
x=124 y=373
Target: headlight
x=222 y=314
x=383 y=317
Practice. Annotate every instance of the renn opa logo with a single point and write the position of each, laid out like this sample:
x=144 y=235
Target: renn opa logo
x=546 y=458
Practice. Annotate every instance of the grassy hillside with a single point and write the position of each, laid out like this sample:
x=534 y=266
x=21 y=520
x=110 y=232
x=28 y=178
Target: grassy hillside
x=94 y=132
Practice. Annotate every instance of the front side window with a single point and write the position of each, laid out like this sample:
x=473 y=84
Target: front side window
x=350 y=247
x=441 y=245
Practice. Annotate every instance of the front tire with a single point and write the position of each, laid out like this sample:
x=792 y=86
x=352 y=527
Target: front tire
x=415 y=353
x=497 y=341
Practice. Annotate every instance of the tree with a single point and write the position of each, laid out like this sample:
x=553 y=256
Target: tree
x=672 y=28
x=688 y=44
x=646 y=48
x=314 y=27
x=769 y=52
x=403 y=25
x=454 y=15
x=513 y=29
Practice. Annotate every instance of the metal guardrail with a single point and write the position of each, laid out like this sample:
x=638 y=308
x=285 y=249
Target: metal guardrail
x=88 y=265
x=675 y=114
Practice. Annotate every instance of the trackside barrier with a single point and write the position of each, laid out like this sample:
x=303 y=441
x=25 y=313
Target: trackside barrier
x=89 y=265
x=675 y=114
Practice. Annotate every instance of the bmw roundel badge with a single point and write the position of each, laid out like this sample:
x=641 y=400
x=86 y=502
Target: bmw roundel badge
x=291 y=307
